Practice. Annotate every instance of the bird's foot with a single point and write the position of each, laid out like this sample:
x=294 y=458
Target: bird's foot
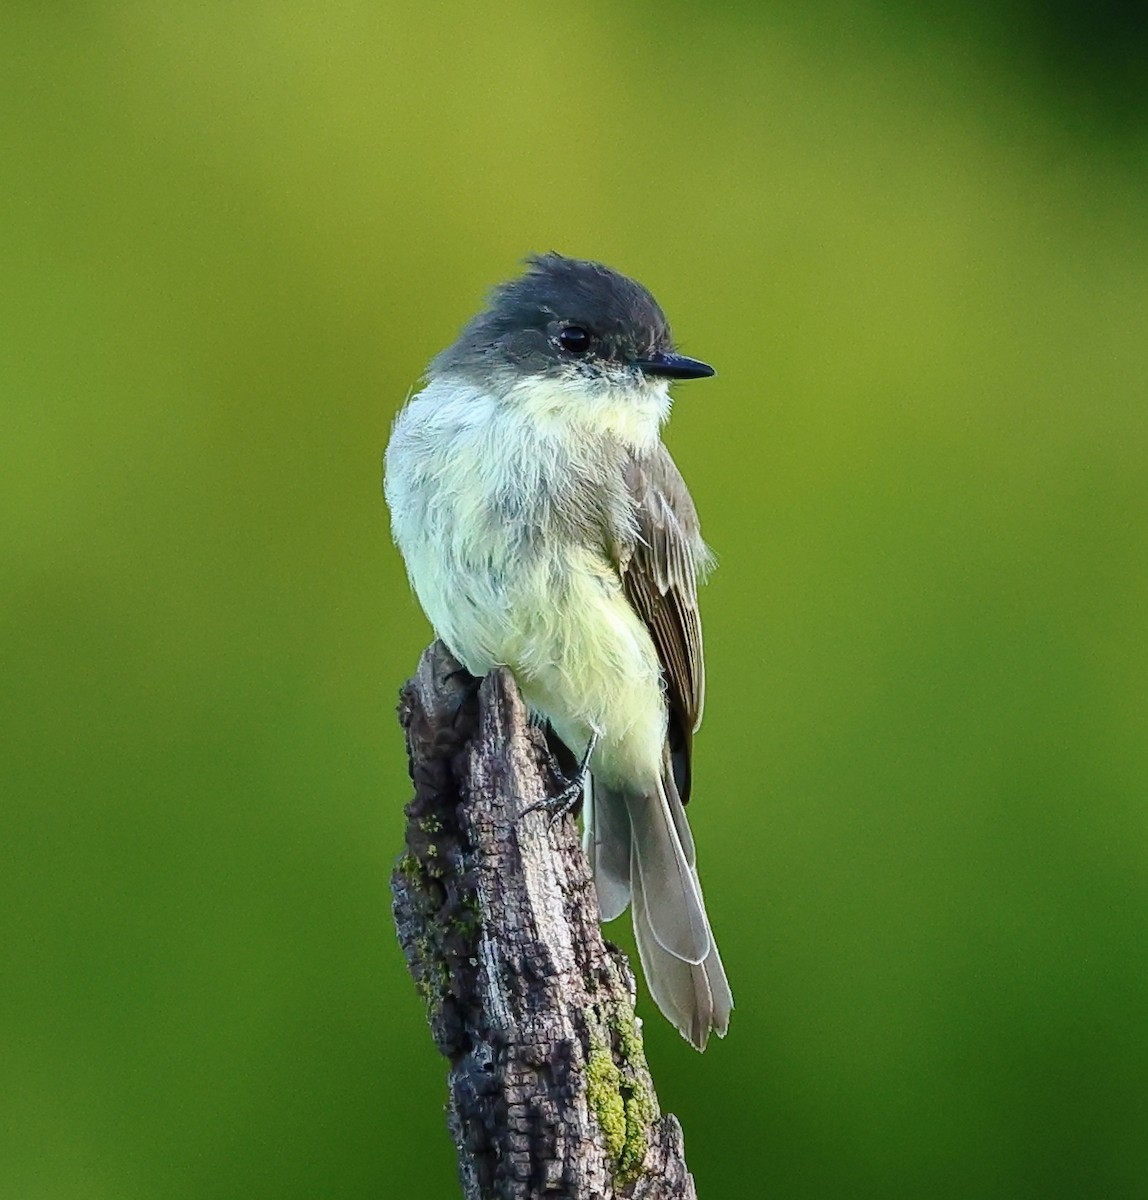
x=568 y=796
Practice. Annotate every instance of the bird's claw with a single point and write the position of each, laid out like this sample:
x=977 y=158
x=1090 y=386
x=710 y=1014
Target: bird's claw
x=561 y=804
x=570 y=793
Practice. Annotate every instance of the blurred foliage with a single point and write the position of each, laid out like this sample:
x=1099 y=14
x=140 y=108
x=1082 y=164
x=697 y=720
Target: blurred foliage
x=913 y=241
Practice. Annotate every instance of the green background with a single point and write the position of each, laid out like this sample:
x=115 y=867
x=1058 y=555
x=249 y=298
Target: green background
x=914 y=244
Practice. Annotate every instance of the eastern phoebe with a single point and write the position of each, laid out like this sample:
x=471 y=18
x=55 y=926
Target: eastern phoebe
x=546 y=528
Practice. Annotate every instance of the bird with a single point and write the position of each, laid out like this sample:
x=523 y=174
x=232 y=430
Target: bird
x=545 y=528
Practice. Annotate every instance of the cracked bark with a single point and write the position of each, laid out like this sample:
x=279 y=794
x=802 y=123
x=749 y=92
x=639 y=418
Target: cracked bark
x=549 y=1092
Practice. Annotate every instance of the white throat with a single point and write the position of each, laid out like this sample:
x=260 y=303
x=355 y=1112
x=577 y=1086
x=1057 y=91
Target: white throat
x=632 y=415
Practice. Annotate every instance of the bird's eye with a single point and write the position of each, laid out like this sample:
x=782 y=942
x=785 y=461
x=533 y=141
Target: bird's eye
x=574 y=338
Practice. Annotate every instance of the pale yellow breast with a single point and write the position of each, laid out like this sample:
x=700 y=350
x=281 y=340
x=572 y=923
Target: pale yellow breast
x=585 y=660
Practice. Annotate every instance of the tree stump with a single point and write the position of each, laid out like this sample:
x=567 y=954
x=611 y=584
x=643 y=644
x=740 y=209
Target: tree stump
x=549 y=1092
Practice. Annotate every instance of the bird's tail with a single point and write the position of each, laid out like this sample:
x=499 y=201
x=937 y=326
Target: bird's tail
x=642 y=853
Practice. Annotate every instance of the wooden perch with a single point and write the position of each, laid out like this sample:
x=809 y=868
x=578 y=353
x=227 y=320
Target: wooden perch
x=550 y=1095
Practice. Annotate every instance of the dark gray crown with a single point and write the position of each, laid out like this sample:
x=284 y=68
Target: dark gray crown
x=520 y=327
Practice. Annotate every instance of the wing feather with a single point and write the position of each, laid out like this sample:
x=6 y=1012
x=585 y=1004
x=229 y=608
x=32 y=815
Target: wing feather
x=660 y=571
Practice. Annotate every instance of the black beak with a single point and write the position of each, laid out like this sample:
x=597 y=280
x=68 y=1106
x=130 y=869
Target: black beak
x=675 y=366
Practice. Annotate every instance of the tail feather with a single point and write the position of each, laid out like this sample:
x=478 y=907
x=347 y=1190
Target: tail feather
x=677 y=916
x=694 y=997
x=606 y=840
x=641 y=851
x=677 y=808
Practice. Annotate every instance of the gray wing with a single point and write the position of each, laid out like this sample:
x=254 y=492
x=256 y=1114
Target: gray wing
x=660 y=577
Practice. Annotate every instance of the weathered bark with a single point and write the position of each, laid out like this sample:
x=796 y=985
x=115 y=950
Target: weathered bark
x=550 y=1095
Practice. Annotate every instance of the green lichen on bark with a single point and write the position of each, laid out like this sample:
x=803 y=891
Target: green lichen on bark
x=408 y=867
x=641 y=1113
x=618 y=1089
x=604 y=1094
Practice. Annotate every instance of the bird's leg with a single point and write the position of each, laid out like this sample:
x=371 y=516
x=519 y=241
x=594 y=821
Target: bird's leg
x=569 y=793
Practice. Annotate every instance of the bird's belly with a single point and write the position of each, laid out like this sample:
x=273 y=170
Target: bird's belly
x=582 y=657
x=588 y=664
